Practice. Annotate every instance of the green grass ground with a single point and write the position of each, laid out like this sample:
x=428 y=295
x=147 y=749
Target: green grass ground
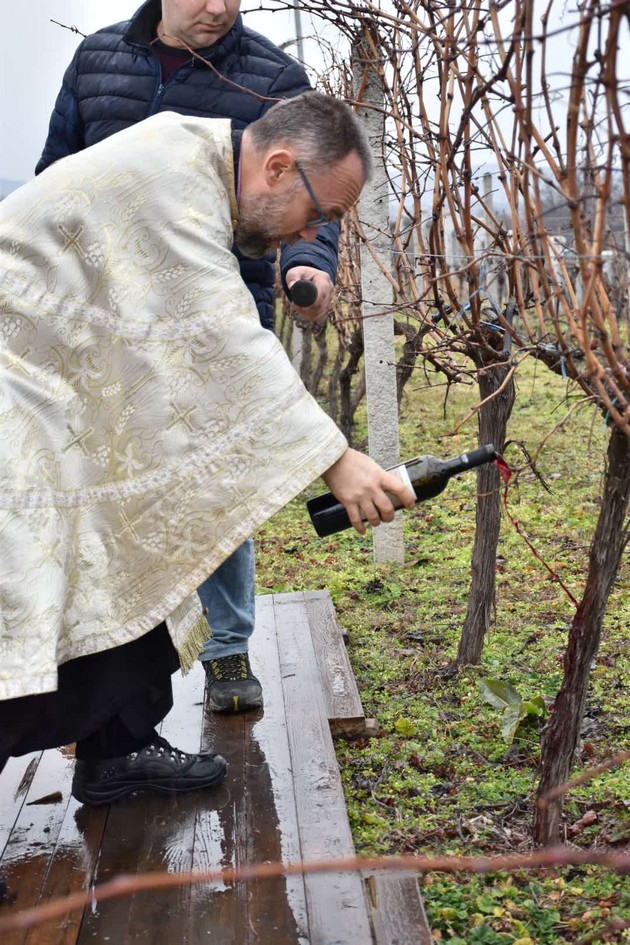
x=440 y=778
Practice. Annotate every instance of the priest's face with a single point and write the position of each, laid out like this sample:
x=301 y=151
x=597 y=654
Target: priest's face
x=262 y=224
x=196 y=23
x=299 y=209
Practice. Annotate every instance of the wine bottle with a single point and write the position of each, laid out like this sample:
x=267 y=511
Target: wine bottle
x=426 y=475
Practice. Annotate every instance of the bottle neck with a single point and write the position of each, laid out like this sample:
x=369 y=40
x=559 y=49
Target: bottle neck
x=455 y=465
x=424 y=467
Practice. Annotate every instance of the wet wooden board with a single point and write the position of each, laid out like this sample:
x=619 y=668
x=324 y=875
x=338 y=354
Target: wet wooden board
x=341 y=695
x=53 y=846
x=337 y=908
x=16 y=780
x=256 y=820
x=398 y=916
x=281 y=800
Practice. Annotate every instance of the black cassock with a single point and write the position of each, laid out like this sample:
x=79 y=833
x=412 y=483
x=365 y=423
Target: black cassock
x=107 y=702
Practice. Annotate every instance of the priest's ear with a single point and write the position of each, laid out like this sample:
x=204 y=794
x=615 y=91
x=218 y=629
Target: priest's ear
x=279 y=168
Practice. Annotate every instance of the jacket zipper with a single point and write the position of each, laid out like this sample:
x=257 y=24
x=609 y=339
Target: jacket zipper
x=157 y=98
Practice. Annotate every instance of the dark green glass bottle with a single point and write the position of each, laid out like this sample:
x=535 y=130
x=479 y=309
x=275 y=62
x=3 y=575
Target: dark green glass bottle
x=428 y=476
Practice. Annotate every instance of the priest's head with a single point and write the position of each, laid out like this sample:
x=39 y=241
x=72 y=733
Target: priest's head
x=303 y=164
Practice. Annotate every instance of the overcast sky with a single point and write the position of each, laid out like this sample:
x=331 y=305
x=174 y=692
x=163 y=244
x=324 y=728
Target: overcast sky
x=34 y=53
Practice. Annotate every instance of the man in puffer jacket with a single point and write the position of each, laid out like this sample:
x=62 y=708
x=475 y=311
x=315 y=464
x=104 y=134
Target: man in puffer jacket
x=197 y=58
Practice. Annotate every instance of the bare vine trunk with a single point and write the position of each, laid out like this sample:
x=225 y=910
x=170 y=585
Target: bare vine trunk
x=493 y=420
x=307 y=350
x=319 y=334
x=561 y=735
x=347 y=401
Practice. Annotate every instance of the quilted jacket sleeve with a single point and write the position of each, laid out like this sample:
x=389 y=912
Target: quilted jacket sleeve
x=65 y=133
x=320 y=254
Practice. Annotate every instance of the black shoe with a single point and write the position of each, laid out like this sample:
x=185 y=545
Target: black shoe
x=157 y=767
x=232 y=687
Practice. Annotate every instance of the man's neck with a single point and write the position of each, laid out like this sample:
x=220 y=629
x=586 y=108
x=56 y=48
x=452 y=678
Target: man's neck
x=167 y=39
x=171 y=58
x=247 y=163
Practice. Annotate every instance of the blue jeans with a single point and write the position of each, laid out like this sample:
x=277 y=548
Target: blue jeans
x=229 y=598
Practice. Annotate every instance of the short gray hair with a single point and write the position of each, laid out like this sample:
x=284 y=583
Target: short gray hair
x=320 y=129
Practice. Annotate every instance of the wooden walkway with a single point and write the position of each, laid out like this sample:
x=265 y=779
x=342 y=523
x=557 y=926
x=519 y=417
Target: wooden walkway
x=281 y=801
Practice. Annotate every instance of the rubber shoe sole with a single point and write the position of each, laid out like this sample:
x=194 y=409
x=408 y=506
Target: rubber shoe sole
x=95 y=795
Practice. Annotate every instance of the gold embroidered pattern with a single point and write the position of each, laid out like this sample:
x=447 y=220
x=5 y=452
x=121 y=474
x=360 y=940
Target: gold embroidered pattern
x=148 y=424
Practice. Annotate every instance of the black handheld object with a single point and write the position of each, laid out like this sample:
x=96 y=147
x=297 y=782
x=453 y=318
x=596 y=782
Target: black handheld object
x=427 y=475
x=303 y=293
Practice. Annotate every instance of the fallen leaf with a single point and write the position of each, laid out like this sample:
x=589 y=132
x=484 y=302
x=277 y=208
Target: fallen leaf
x=587 y=820
x=55 y=798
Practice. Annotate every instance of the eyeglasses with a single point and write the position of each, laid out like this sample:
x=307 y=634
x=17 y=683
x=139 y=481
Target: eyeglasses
x=322 y=218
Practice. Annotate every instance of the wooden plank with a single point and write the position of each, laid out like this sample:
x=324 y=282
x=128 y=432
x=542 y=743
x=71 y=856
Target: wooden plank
x=218 y=843
x=183 y=726
x=398 y=915
x=71 y=852
x=209 y=907
x=174 y=840
x=151 y=833
x=32 y=845
x=136 y=841
x=15 y=781
x=213 y=914
x=259 y=823
x=337 y=908
x=341 y=694
x=273 y=832
x=71 y=870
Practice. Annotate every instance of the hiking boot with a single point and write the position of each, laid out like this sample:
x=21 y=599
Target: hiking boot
x=232 y=687
x=156 y=767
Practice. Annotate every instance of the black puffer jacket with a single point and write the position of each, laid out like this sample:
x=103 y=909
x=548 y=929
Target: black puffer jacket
x=114 y=81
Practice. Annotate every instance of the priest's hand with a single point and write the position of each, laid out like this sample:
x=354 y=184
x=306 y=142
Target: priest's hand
x=362 y=487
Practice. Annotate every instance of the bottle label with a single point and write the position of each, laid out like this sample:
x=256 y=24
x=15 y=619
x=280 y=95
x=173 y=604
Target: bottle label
x=403 y=474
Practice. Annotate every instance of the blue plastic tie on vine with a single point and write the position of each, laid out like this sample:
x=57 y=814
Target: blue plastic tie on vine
x=607 y=414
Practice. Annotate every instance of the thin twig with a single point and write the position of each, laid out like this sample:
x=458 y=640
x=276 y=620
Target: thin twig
x=584 y=777
x=126 y=885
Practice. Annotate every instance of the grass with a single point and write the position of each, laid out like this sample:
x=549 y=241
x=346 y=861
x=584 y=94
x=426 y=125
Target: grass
x=440 y=777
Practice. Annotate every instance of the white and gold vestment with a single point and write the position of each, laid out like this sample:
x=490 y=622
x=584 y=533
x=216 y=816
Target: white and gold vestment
x=148 y=423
